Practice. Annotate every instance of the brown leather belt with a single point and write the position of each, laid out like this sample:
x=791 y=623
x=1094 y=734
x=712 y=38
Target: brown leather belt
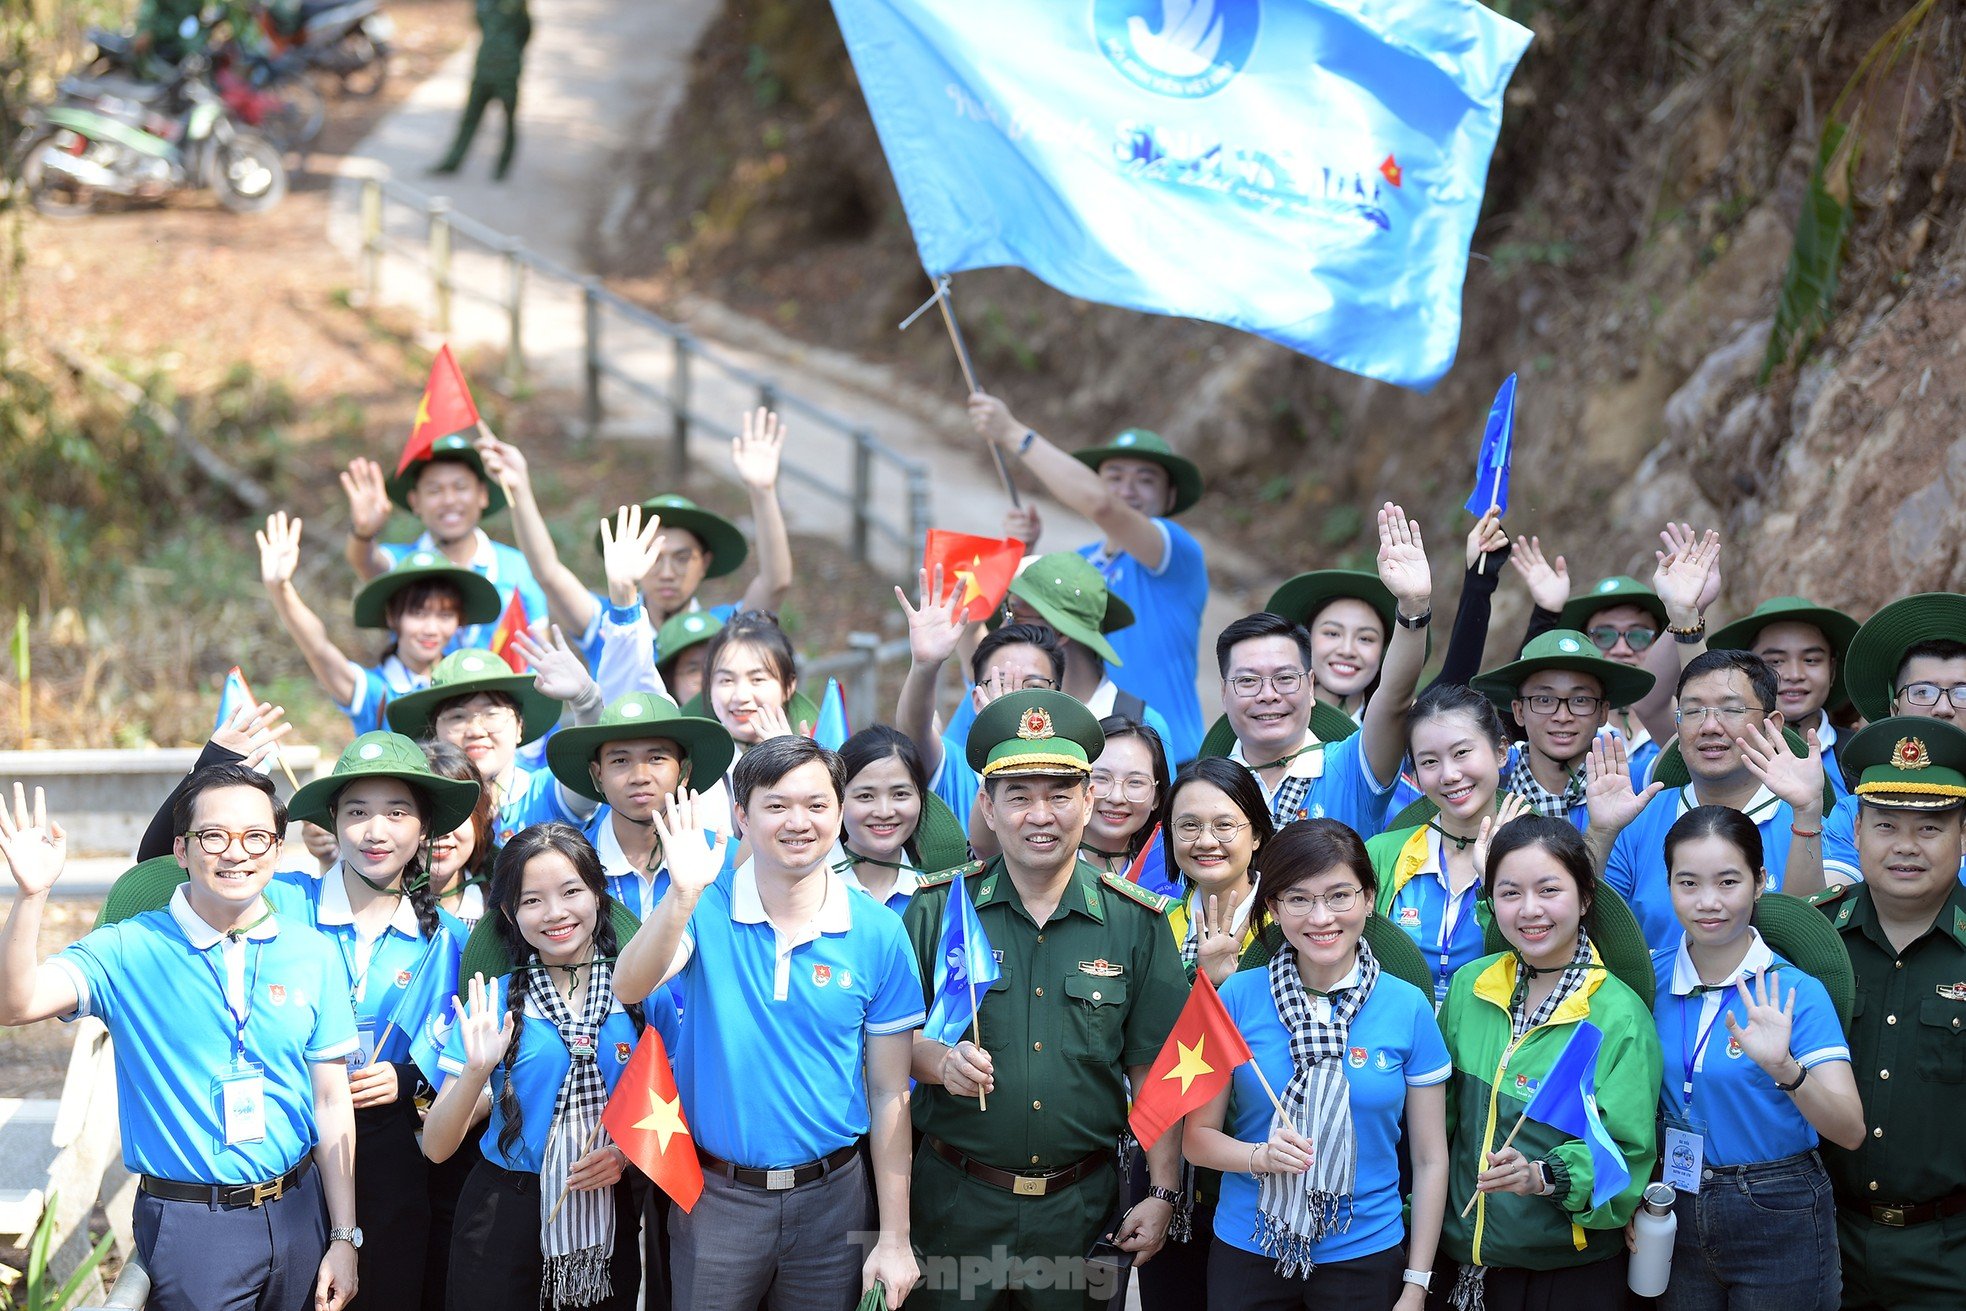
x=778 y=1181
x=1024 y=1185
x=228 y=1194
x=1918 y=1213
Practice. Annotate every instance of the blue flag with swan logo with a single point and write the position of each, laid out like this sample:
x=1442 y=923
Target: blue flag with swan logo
x=1491 y=489
x=965 y=965
x=1306 y=170
x=1567 y=1100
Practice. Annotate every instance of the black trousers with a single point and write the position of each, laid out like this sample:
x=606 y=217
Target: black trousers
x=1248 y=1281
x=496 y=1263
x=446 y=1183
x=392 y=1205
x=1505 y=1288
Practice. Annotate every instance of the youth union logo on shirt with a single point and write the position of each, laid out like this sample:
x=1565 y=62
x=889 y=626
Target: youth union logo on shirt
x=1185 y=48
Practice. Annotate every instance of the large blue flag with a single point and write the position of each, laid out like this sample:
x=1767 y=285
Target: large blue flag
x=1567 y=1100
x=965 y=965
x=1491 y=489
x=420 y=1024
x=1308 y=170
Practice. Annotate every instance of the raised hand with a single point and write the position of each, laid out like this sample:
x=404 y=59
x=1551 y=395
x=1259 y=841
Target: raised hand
x=1487 y=535
x=252 y=731
x=279 y=549
x=693 y=864
x=557 y=671
x=505 y=462
x=1797 y=780
x=1216 y=955
x=1608 y=791
x=629 y=550
x=935 y=628
x=994 y=684
x=1765 y=1038
x=1403 y=561
x=368 y=498
x=34 y=845
x=486 y=1030
x=755 y=451
x=771 y=722
x=1510 y=808
x=993 y=420
x=1023 y=523
x=1687 y=578
x=1549 y=584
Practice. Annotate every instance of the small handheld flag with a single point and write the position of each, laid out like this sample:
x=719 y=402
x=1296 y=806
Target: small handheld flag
x=510 y=625
x=420 y=1022
x=231 y=698
x=832 y=730
x=644 y=1116
x=1149 y=868
x=1567 y=1101
x=446 y=408
x=982 y=566
x=1491 y=488
x=965 y=964
x=1200 y=1057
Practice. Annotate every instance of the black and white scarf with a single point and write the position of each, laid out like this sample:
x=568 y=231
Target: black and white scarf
x=1295 y=1211
x=578 y=1240
x=1521 y=780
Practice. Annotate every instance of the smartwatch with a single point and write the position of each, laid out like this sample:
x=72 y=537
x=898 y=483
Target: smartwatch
x=1424 y=1278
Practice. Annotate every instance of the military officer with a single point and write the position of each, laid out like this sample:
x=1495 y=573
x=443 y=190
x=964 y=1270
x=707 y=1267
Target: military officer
x=1900 y=1197
x=1009 y=1197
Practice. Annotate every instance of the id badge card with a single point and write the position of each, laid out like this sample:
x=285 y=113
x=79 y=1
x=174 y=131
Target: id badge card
x=364 y=1045
x=1685 y=1152
x=241 y=1097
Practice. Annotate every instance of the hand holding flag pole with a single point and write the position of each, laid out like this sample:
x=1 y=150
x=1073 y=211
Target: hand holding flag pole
x=1567 y=1102
x=1491 y=489
x=945 y=298
x=587 y=1147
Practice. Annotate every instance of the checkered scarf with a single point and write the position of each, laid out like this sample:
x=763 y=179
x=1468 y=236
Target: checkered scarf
x=577 y=1233
x=1521 y=780
x=1294 y=1212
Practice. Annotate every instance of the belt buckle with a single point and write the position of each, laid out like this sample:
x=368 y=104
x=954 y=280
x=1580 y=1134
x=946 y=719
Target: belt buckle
x=778 y=1181
x=269 y=1191
x=1028 y=1186
x=1889 y=1215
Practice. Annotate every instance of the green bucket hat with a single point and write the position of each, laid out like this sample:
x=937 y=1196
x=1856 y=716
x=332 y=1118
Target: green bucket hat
x=1328 y=724
x=1139 y=444
x=1390 y=944
x=719 y=535
x=383 y=754
x=1615 y=933
x=1619 y=589
x=1072 y=598
x=1670 y=767
x=142 y=888
x=455 y=449
x=1803 y=935
x=1035 y=732
x=683 y=630
x=479 y=595
x=1837 y=627
x=465 y=673
x=706 y=746
x=485 y=954
x=940 y=839
x=1563 y=648
x=1907 y=763
x=1300 y=599
x=1870 y=668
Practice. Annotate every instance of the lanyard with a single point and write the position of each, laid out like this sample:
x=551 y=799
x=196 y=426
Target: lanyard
x=1450 y=919
x=1691 y=1058
x=224 y=995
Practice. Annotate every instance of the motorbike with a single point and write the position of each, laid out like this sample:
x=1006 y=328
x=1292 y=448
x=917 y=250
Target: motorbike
x=270 y=94
x=348 y=39
x=116 y=136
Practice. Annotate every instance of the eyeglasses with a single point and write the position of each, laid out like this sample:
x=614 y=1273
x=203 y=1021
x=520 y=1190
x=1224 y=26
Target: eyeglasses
x=217 y=841
x=1337 y=901
x=491 y=719
x=1038 y=683
x=1636 y=638
x=1225 y=830
x=1926 y=695
x=1718 y=714
x=1133 y=788
x=1581 y=706
x=1285 y=683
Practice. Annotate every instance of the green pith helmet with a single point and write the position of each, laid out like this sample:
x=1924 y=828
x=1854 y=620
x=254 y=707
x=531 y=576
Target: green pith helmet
x=683 y=630
x=383 y=754
x=719 y=535
x=1300 y=599
x=1072 y=598
x=1907 y=763
x=1802 y=935
x=1034 y=732
x=1619 y=589
x=1837 y=628
x=706 y=746
x=142 y=888
x=455 y=448
x=467 y=673
x=1565 y=649
x=1140 y=444
x=480 y=603
x=1870 y=669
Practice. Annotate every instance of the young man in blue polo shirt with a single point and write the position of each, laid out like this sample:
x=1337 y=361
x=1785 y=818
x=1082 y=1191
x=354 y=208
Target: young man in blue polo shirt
x=801 y=998
x=1132 y=488
x=230 y=1028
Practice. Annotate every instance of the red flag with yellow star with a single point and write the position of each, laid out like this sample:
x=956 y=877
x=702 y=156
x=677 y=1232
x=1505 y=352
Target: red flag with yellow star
x=981 y=566
x=644 y=1116
x=1200 y=1057
x=510 y=625
x=446 y=408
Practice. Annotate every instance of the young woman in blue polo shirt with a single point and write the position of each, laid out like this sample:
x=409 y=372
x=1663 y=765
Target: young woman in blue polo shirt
x=1756 y=1070
x=880 y=815
x=461 y=860
x=1311 y=1213
x=545 y=1220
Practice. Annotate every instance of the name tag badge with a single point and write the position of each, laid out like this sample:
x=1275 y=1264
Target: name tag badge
x=1685 y=1153
x=364 y=1045
x=241 y=1097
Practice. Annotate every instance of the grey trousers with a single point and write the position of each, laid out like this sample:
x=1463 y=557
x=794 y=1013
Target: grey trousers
x=796 y=1250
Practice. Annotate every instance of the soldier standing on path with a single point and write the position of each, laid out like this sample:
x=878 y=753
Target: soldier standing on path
x=507 y=26
x=1008 y=1200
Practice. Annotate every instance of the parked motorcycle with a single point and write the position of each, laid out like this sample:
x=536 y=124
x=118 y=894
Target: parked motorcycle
x=270 y=94
x=348 y=39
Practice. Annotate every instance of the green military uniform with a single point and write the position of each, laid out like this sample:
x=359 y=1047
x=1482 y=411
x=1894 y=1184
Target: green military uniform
x=506 y=26
x=1901 y=1197
x=1081 y=997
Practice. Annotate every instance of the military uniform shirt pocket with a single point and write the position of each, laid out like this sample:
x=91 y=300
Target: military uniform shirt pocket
x=1942 y=1040
x=1096 y=1019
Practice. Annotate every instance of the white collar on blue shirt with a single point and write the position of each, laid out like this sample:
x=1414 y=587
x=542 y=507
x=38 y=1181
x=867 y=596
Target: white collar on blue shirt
x=614 y=862
x=396 y=676
x=906 y=879
x=747 y=907
x=1308 y=765
x=1686 y=979
x=334 y=907
x=202 y=935
x=1759 y=806
x=483 y=558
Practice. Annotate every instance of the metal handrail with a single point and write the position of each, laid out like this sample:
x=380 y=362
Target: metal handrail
x=904 y=523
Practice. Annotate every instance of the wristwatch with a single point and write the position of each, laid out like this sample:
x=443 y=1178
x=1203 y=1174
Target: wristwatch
x=1424 y=1278
x=1168 y=1195
x=351 y=1235
x=1545 y=1185
x=1420 y=620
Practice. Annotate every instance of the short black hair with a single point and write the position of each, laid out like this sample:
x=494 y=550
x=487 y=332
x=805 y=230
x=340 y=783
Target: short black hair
x=1260 y=624
x=1761 y=675
x=1041 y=636
x=213 y=777
x=1235 y=782
x=1558 y=837
x=1306 y=848
x=775 y=757
x=1932 y=648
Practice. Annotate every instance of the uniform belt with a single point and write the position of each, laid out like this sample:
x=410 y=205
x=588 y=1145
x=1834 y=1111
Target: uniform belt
x=1024 y=1185
x=228 y=1194
x=1916 y=1213
x=779 y=1180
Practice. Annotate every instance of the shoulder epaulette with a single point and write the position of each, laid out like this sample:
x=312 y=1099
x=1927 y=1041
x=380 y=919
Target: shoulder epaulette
x=1132 y=891
x=947 y=876
x=1827 y=896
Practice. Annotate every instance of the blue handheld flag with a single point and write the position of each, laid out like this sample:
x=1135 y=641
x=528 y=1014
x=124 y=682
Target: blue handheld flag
x=832 y=729
x=234 y=695
x=420 y=1023
x=1491 y=489
x=1567 y=1100
x=964 y=966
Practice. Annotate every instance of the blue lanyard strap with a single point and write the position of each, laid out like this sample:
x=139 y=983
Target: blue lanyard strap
x=238 y=1019
x=1690 y=1058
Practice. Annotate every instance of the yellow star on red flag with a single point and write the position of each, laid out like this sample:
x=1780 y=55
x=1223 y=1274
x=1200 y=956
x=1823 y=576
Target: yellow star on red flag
x=664 y=1120
x=1191 y=1065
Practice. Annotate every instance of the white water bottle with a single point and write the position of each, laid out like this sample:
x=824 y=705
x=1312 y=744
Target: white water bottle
x=1654 y=1227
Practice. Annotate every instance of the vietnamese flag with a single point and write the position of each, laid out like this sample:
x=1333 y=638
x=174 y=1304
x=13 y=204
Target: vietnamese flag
x=446 y=408
x=510 y=625
x=645 y=1119
x=981 y=566
x=1198 y=1061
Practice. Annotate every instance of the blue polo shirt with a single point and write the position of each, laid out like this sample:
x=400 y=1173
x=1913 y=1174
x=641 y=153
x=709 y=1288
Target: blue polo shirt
x=771 y=1063
x=536 y=1074
x=155 y=981
x=505 y=567
x=1331 y=782
x=593 y=637
x=533 y=798
x=1736 y=1107
x=1158 y=650
x=375 y=687
x=1832 y=768
x=1443 y=926
x=1394 y=1044
x=1840 y=842
x=374 y=972
x=1636 y=867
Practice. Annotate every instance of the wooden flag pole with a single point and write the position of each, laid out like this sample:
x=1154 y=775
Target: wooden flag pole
x=976 y=1034
x=944 y=298
x=1519 y=1120
x=286 y=769
x=562 y=1199
x=485 y=434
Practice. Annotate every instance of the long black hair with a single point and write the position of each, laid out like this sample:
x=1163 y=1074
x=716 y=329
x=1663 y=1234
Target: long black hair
x=451 y=762
x=507 y=885
x=1118 y=726
x=878 y=742
x=415 y=876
